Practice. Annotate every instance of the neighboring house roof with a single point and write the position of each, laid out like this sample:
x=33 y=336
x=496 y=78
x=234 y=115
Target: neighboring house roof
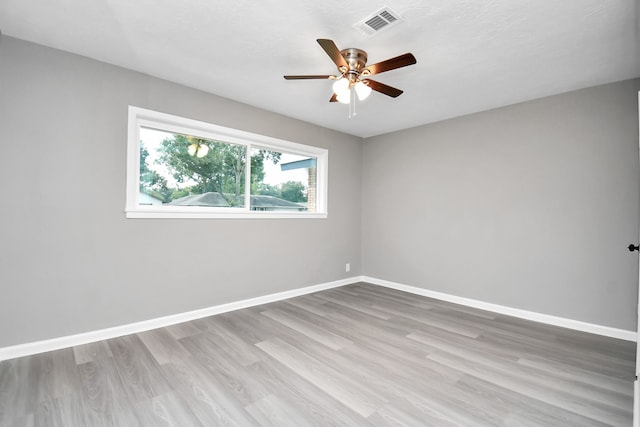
x=205 y=199
x=273 y=202
x=214 y=199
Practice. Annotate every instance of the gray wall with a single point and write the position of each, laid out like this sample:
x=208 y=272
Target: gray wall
x=69 y=260
x=529 y=206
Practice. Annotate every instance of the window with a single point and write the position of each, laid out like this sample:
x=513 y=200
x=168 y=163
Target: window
x=183 y=168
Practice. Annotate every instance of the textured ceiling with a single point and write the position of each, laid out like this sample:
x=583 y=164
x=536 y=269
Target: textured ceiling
x=472 y=55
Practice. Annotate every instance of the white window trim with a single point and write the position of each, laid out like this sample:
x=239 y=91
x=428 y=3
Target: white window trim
x=142 y=117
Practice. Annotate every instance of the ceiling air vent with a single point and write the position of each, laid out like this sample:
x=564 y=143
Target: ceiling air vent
x=381 y=20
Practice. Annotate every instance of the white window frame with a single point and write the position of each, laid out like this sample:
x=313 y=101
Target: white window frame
x=140 y=117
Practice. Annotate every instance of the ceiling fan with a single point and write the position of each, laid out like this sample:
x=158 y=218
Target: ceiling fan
x=354 y=72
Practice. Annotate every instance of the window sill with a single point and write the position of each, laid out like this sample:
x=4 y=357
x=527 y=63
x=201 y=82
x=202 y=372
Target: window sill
x=156 y=214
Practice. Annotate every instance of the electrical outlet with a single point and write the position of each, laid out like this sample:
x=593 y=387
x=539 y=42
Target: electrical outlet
x=347 y=267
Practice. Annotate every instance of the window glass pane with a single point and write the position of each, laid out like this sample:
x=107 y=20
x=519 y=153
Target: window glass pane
x=282 y=182
x=186 y=170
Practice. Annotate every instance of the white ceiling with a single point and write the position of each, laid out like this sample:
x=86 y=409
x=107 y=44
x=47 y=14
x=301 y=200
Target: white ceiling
x=473 y=55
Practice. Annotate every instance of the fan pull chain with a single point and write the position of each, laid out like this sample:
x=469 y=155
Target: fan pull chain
x=352 y=101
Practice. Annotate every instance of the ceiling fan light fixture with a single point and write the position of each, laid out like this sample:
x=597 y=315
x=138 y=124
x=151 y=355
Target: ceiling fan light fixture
x=342 y=89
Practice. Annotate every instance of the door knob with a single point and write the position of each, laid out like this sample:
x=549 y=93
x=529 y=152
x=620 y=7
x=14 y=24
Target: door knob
x=633 y=247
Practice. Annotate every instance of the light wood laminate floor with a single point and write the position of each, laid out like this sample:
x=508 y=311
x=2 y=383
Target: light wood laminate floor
x=358 y=355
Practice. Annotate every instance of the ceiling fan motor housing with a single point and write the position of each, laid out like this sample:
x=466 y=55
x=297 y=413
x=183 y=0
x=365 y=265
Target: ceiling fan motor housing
x=357 y=60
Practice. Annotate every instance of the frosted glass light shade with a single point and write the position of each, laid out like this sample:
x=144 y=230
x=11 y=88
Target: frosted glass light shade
x=363 y=91
x=340 y=86
x=344 y=97
x=341 y=89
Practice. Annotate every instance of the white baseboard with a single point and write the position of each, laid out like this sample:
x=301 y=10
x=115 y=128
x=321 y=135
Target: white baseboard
x=636 y=404
x=133 y=328
x=509 y=311
x=146 y=325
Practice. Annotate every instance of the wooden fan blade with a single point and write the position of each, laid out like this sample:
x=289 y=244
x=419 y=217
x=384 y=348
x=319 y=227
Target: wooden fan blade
x=383 y=88
x=390 y=64
x=308 y=77
x=334 y=98
x=334 y=53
